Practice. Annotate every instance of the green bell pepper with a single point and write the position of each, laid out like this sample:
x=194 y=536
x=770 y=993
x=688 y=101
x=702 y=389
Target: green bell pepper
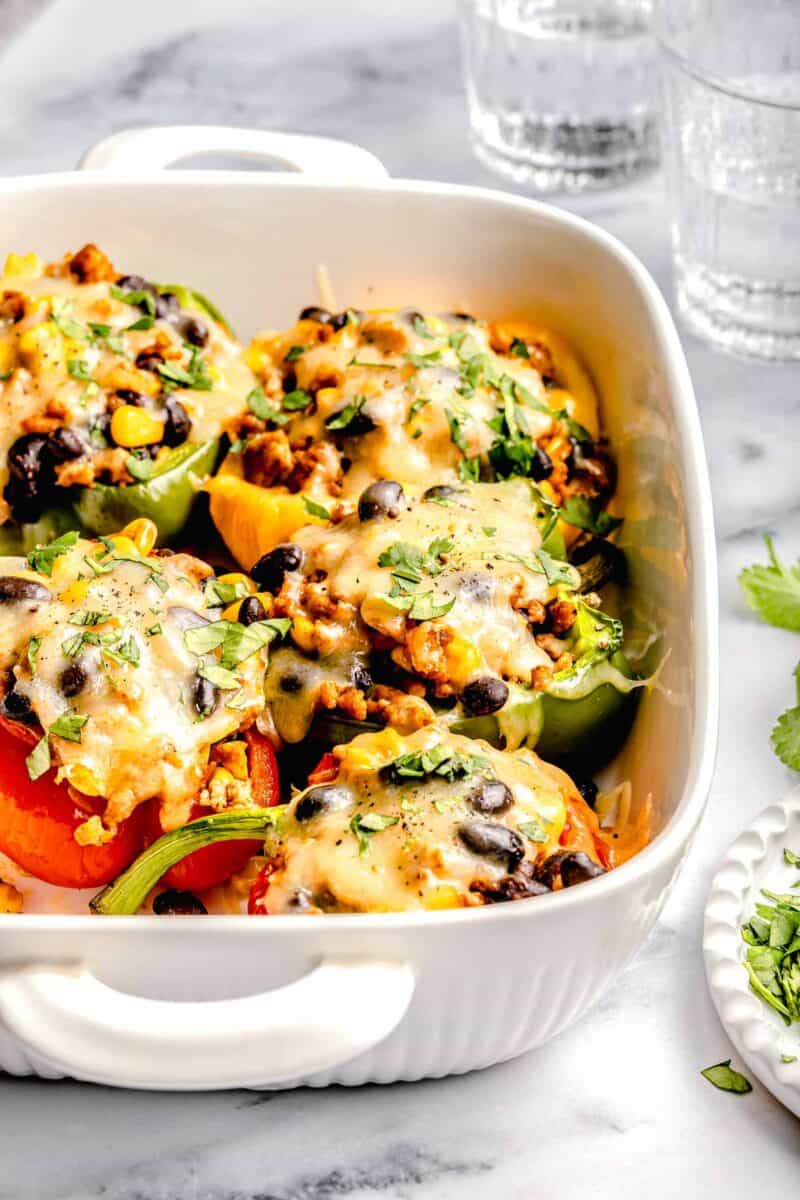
x=580 y=720
x=127 y=893
x=166 y=498
x=21 y=539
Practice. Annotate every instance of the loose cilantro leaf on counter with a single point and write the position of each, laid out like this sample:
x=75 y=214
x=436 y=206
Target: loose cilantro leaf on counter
x=42 y=558
x=589 y=515
x=316 y=510
x=785 y=738
x=773 y=591
x=723 y=1076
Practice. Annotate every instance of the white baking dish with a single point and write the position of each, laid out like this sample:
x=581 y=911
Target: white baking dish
x=235 y=1001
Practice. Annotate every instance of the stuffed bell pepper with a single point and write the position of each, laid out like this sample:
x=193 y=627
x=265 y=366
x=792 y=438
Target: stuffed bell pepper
x=114 y=393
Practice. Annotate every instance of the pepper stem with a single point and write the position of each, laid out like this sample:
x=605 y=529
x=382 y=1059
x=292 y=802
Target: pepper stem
x=127 y=893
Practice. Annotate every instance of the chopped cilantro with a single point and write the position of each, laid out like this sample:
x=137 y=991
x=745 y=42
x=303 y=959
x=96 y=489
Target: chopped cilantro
x=33 y=650
x=533 y=830
x=315 y=509
x=352 y=417
x=588 y=514
x=726 y=1079
x=261 y=407
x=519 y=349
x=145 y=322
x=69 y=726
x=294 y=353
x=364 y=825
x=38 y=761
x=43 y=557
x=421 y=328
x=78 y=368
x=296 y=400
x=416 y=407
x=142 y=299
x=424 y=360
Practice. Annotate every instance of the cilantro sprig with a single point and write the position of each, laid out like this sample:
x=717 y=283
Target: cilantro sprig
x=773 y=591
x=438 y=761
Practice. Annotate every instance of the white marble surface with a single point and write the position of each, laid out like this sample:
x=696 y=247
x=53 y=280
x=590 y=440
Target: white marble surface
x=614 y=1107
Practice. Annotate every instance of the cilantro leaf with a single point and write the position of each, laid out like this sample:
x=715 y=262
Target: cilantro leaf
x=786 y=738
x=773 y=591
x=420 y=327
x=533 y=830
x=589 y=515
x=260 y=407
x=519 y=349
x=421 y=606
x=294 y=353
x=790 y=858
x=38 y=761
x=316 y=510
x=351 y=418
x=33 y=651
x=42 y=558
x=364 y=825
x=723 y=1076
x=296 y=400
x=69 y=726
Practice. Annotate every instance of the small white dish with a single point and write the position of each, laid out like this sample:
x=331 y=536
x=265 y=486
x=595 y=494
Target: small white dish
x=754 y=861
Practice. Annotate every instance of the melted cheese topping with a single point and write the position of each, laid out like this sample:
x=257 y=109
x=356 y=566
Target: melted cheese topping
x=56 y=370
x=383 y=846
x=467 y=614
x=123 y=630
x=429 y=393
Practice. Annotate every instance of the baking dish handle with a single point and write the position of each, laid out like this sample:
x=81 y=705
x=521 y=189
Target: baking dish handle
x=138 y=151
x=83 y=1028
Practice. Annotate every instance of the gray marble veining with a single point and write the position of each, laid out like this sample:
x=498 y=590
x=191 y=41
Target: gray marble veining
x=614 y=1107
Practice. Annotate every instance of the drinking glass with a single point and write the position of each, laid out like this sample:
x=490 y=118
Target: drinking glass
x=561 y=92
x=731 y=81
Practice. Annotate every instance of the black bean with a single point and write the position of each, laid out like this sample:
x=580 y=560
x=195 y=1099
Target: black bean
x=413 y=316
x=177 y=904
x=251 y=610
x=484 y=695
x=29 y=469
x=492 y=840
x=289 y=382
x=73 y=679
x=271 y=569
x=383 y=498
x=541 y=465
x=205 y=696
x=129 y=396
x=149 y=361
x=17 y=707
x=13 y=589
x=313 y=313
x=361 y=678
x=599 y=562
x=587 y=788
x=442 y=491
x=65 y=444
x=570 y=866
x=136 y=283
x=490 y=797
x=186 y=618
x=291 y=683
x=167 y=306
x=177 y=423
x=193 y=330
x=339 y=320
x=519 y=886
x=319 y=799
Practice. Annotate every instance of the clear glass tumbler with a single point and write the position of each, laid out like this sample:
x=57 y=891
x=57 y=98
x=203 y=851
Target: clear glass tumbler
x=731 y=76
x=561 y=92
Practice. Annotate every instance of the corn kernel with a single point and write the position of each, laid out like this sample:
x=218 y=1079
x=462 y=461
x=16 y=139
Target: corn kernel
x=233 y=756
x=81 y=778
x=10 y=898
x=237 y=578
x=7 y=357
x=41 y=346
x=257 y=359
x=442 y=897
x=222 y=777
x=123 y=544
x=303 y=632
x=131 y=426
x=326 y=396
x=76 y=592
x=462 y=659
x=23 y=264
x=143 y=533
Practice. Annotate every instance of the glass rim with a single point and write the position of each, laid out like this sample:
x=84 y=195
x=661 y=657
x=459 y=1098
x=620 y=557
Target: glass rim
x=718 y=82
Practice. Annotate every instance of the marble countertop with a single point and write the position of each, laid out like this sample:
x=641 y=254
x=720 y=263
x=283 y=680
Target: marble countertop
x=614 y=1107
